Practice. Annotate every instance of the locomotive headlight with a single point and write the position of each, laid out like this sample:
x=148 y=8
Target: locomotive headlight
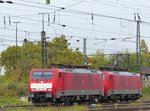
x=33 y=89
x=49 y=89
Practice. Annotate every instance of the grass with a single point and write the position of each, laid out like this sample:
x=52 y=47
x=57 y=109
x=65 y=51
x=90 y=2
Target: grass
x=146 y=93
x=11 y=102
x=146 y=96
x=70 y=108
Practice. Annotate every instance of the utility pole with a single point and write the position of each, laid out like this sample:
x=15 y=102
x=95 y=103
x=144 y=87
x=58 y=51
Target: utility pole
x=138 y=49
x=16 y=39
x=43 y=43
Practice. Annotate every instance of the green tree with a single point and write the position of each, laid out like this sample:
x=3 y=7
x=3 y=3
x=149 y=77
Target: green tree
x=8 y=58
x=29 y=56
x=60 y=53
x=145 y=58
x=26 y=60
x=143 y=47
x=98 y=60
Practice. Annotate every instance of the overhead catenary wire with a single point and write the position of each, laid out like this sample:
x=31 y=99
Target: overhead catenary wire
x=87 y=13
x=80 y=13
x=123 y=4
x=73 y=27
x=77 y=12
x=98 y=15
x=65 y=25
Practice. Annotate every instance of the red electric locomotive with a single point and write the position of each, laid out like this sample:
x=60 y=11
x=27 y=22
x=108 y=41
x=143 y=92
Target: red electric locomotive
x=68 y=85
x=65 y=85
x=120 y=85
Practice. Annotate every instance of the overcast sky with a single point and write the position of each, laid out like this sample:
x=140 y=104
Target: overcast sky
x=96 y=20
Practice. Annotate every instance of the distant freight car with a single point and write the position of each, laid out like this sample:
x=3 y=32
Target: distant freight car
x=66 y=85
x=120 y=85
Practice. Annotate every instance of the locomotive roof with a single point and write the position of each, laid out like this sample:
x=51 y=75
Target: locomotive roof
x=125 y=73
x=81 y=71
x=108 y=68
x=72 y=70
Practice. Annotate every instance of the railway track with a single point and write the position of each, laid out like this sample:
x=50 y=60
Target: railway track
x=143 y=105
x=4 y=108
x=141 y=108
x=23 y=106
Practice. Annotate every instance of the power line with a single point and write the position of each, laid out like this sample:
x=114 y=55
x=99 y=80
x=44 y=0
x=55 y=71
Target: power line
x=122 y=5
x=99 y=31
x=18 y=30
x=84 y=13
x=56 y=8
x=65 y=26
x=76 y=3
x=78 y=12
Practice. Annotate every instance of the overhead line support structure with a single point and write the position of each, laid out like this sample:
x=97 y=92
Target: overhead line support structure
x=84 y=51
x=43 y=44
x=138 y=44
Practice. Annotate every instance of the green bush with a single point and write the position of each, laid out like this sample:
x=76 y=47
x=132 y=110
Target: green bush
x=22 y=90
x=13 y=89
x=146 y=90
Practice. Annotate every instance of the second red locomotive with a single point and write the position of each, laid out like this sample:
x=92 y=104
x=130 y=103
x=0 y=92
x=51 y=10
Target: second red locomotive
x=120 y=85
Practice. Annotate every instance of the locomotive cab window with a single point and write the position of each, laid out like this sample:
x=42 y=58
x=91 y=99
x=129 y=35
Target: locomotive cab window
x=42 y=75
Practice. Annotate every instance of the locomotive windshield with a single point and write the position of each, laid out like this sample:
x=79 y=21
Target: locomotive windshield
x=42 y=75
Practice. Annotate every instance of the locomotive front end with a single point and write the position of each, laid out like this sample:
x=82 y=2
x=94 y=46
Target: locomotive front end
x=40 y=85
